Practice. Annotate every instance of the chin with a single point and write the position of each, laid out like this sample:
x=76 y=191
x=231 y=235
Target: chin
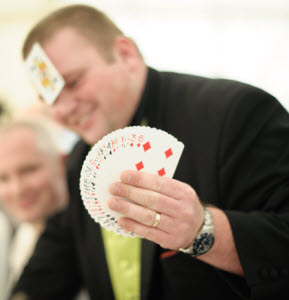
x=89 y=140
x=28 y=218
x=93 y=138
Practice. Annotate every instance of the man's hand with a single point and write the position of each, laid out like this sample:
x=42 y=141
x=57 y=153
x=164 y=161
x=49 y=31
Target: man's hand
x=181 y=213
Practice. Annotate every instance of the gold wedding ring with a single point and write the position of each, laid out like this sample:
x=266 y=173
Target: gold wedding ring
x=157 y=220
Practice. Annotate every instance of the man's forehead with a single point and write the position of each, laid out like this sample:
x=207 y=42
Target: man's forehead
x=18 y=134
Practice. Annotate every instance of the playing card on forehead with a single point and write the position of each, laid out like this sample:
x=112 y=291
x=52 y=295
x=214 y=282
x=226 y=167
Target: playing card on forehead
x=139 y=148
x=43 y=74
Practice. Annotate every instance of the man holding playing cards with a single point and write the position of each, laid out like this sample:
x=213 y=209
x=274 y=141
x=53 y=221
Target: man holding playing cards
x=219 y=227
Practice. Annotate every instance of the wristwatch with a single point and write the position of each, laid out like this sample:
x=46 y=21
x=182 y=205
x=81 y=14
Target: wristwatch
x=204 y=239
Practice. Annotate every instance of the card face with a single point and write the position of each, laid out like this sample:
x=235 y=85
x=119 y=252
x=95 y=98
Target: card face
x=139 y=148
x=43 y=74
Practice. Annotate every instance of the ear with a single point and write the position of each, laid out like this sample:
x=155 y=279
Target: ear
x=126 y=51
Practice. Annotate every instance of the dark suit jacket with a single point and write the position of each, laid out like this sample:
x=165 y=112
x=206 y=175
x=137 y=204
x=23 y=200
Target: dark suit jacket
x=236 y=157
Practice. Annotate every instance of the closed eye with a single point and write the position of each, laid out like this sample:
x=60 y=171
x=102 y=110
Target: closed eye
x=72 y=83
x=29 y=169
x=3 y=178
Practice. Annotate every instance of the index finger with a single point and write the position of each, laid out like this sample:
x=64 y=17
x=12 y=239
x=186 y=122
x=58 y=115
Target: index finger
x=164 y=185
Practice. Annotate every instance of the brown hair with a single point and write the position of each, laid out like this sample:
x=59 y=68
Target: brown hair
x=91 y=23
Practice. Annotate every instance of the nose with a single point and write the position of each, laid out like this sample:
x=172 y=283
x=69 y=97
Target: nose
x=64 y=106
x=16 y=186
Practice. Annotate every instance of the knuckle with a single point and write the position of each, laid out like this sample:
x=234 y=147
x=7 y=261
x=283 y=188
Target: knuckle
x=185 y=211
x=123 y=206
x=128 y=225
x=159 y=184
x=189 y=191
x=149 y=218
x=151 y=200
x=188 y=213
x=155 y=200
x=136 y=179
x=170 y=224
x=125 y=191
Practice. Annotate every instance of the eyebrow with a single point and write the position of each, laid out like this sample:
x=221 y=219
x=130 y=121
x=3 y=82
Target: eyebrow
x=71 y=73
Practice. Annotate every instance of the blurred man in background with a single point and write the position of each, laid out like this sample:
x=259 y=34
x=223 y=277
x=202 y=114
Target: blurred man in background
x=32 y=188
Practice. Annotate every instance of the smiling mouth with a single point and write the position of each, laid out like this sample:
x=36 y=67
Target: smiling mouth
x=84 y=118
x=27 y=203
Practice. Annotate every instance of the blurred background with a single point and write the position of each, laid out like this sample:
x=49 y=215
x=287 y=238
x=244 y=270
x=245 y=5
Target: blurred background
x=243 y=39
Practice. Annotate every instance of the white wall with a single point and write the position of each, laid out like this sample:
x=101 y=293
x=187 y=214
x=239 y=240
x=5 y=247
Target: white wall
x=244 y=40
x=16 y=17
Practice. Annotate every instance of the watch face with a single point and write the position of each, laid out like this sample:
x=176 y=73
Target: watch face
x=203 y=243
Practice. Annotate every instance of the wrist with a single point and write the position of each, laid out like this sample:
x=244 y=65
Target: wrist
x=204 y=238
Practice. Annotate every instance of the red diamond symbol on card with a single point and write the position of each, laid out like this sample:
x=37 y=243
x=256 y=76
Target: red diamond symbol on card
x=139 y=166
x=162 y=172
x=146 y=146
x=168 y=153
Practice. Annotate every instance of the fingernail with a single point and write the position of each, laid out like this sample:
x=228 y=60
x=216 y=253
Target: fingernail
x=125 y=176
x=114 y=188
x=113 y=203
x=121 y=223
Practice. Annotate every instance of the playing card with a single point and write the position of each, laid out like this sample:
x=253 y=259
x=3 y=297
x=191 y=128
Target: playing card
x=159 y=153
x=43 y=74
x=138 y=148
x=91 y=171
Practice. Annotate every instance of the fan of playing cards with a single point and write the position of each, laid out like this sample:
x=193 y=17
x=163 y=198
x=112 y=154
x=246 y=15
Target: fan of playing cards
x=138 y=148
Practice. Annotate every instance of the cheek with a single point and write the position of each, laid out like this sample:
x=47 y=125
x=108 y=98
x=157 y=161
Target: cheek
x=10 y=205
x=40 y=183
x=44 y=192
x=6 y=195
x=3 y=192
x=105 y=89
x=6 y=201
x=55 y=115
x=43 y=183
x=87 y=91
x=114 y=101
